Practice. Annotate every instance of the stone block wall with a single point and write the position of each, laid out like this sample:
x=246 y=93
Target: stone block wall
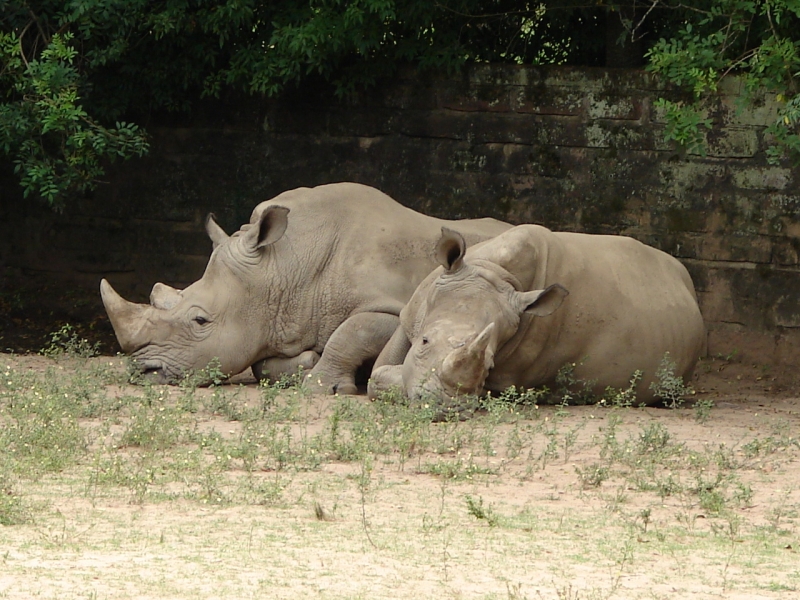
x=573 y=149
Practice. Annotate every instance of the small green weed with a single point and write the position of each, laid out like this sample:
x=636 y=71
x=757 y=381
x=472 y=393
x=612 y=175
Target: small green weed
x=702 y=410
x=482 y=512
x=712 y=501
x=654 y=438
x=210 y=375
x=592 y=476
x=65 y=341
x=622 y=398
x=154 y=425
x=572 y=389
x=13 y=510
x=668 y=386
x=522 y=397
x=458 y=470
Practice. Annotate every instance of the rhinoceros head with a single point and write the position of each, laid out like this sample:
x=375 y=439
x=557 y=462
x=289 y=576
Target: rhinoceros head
x=471 y=309
x=184 y=330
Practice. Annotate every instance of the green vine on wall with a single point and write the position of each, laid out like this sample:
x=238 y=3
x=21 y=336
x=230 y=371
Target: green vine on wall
x=757 y=41
x=57 y=146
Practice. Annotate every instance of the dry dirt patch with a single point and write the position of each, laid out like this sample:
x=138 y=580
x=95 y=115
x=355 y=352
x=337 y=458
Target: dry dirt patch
x=241 y=491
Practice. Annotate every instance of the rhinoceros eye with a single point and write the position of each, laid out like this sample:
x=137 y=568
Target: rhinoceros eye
x=424 y=340
x=200 y=320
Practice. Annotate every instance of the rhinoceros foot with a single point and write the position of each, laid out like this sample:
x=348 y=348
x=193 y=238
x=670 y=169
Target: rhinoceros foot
x=272 y=369
x=320 y=382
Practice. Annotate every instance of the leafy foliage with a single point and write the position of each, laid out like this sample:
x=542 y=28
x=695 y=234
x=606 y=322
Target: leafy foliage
x=57 y=146
x=711 y=39
x=78 y=75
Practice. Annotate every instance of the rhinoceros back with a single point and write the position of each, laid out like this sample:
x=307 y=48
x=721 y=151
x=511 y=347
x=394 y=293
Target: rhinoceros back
x=629 y=304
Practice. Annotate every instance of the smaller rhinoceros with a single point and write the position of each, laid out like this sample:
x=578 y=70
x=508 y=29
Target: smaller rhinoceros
x=515 y=309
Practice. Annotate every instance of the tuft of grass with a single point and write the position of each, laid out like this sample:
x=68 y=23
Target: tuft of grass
x=154 y=424
x=702 y=410
x=654 y=438
x=457 y=470
x=13 y=509
x=40 y=431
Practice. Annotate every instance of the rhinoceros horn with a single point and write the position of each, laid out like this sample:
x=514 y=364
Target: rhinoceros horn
x=164 y=296
x=467 y=366
x=127 y=318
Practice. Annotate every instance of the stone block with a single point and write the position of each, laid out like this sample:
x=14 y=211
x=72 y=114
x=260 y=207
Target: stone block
x=618 y=134
x=481 y=98
x=542 y=100
x=361 y=123
x=482 y=157
x=714 y=293
x=500 y=75
x=757 y=110
x=786 y=251
x=765 y=298
x=732 y=142
x=411 y=96
x=537 y=159
x=682 y=182
x=744 y=247
x=608 y=106
x=763 y=178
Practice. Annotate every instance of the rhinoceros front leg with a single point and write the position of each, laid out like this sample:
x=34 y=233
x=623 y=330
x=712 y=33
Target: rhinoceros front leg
x=357 y=340
x=395 y=350
x=272 y=369
x=387 y=373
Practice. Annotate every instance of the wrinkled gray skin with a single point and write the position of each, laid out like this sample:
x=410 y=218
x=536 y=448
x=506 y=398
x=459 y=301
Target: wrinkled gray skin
x=317 y=278
x=515 y=309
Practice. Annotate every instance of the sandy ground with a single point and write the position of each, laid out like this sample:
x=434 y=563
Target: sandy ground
x=513 y=513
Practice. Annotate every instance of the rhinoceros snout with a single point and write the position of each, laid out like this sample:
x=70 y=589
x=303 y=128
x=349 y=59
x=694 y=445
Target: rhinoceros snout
x=427 y=394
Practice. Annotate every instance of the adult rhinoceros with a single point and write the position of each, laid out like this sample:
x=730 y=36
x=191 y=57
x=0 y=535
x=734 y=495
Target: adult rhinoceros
x=515 y=309
x=322 y=270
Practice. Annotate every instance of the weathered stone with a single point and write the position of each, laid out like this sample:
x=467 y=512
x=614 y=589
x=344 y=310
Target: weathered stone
x=502 y=75
x=482 y=98
x=607 y=106
x=732 y=142
x=762 y=178
x=542 y=100
x=618 y=134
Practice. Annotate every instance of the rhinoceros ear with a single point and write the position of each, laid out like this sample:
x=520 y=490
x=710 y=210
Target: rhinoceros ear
x=214 y=231
x=541 y=303
x=267 y=227
x=450 y=250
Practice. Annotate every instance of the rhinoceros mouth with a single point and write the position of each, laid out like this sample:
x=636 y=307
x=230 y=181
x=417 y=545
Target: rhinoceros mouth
x=153 y=371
